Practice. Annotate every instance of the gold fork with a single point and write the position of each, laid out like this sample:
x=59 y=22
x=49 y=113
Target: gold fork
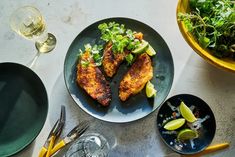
x=71 y=136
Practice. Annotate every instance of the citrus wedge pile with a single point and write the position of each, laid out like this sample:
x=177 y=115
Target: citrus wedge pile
x=185 y=133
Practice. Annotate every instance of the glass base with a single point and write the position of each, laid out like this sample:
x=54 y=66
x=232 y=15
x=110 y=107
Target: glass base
x=48 y=45
x=89 y=145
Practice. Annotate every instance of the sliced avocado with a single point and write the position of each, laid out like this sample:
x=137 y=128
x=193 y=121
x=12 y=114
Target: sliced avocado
x=141 y=48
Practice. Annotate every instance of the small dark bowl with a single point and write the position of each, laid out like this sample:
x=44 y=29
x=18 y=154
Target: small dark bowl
x=206 y=132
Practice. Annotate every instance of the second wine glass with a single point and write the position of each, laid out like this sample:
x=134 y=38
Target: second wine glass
x=89 y=145
x=28 y=22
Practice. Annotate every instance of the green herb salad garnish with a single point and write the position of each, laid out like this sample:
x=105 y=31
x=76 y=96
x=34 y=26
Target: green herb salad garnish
x=122 y=39
x=95 y=54
x=212 y=22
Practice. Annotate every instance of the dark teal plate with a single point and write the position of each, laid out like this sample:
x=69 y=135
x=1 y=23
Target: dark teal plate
x=23 y=107
x=201 y=109
x=137 y=106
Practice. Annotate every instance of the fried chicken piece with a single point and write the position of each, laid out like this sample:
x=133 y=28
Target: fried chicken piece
x=91 y=79
x=135 y=79
x=111 y=60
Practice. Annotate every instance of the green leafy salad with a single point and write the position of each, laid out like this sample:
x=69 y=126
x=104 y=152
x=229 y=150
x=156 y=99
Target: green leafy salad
x=212 y=22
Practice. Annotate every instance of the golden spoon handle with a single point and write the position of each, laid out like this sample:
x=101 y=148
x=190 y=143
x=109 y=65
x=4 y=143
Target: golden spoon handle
x=209 y=149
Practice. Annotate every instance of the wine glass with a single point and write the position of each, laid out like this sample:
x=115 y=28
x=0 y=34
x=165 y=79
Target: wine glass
x=28 y=22
x=89 y=145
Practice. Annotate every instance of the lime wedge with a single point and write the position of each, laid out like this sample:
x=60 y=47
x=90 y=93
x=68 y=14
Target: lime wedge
x=174 y=124
x=187 y=113
x=150 y=51
x=141 y=48
x=150 y=90
x=187 y=134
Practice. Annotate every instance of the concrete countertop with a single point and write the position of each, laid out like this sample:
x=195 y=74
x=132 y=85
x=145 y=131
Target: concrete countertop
x=65 y=19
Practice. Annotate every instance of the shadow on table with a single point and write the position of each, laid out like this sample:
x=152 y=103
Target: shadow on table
x=138 y=138
x=28 y=151
x=201 y=78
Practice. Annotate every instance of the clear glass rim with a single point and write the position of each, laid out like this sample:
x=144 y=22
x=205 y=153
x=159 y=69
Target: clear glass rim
x=14 y=14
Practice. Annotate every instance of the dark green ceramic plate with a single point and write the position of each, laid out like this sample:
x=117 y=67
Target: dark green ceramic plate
x=23 y=107
x=137 y=106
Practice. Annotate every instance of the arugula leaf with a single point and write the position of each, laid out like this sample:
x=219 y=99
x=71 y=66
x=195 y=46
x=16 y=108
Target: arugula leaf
x=204 y=41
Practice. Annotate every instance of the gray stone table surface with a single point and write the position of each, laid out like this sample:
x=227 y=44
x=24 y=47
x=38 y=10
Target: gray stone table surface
x=66 y=19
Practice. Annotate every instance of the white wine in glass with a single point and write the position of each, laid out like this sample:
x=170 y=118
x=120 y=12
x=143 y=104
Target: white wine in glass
x=28 y=22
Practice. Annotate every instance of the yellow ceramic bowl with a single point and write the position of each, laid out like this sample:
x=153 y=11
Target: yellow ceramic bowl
x=225 y=63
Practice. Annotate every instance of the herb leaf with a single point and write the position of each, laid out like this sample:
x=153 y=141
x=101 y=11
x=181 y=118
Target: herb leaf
x=129 y=59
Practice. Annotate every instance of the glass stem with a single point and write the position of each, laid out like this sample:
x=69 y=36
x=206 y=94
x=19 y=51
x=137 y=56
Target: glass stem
x=43 y=37
x=32 y=63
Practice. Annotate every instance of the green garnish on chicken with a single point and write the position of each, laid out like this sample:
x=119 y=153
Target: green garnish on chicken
x=120 y=37
x=95 y=54
x=120 y=42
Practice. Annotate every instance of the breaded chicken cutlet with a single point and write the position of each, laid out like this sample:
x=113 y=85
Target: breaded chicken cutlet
x=91 y=79
x=135 y=79
x=111 y=61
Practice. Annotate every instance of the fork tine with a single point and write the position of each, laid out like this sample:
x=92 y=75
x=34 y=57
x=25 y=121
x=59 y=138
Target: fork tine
x=84 y=123
x=83 y=129
x=53 y=129
x=78 y=128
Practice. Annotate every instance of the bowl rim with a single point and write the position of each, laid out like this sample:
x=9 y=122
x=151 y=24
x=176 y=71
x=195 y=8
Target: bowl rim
x=204 y=53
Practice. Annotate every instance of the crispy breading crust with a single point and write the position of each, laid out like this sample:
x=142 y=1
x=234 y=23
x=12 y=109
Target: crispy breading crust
x=111 y=61
x=135 y=79
x=91 y=79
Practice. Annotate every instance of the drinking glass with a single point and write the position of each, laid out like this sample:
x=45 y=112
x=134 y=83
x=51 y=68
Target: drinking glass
x=89 y=145
x=28 y=22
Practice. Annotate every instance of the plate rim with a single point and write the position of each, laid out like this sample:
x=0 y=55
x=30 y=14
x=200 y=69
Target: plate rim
x=83 y=108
